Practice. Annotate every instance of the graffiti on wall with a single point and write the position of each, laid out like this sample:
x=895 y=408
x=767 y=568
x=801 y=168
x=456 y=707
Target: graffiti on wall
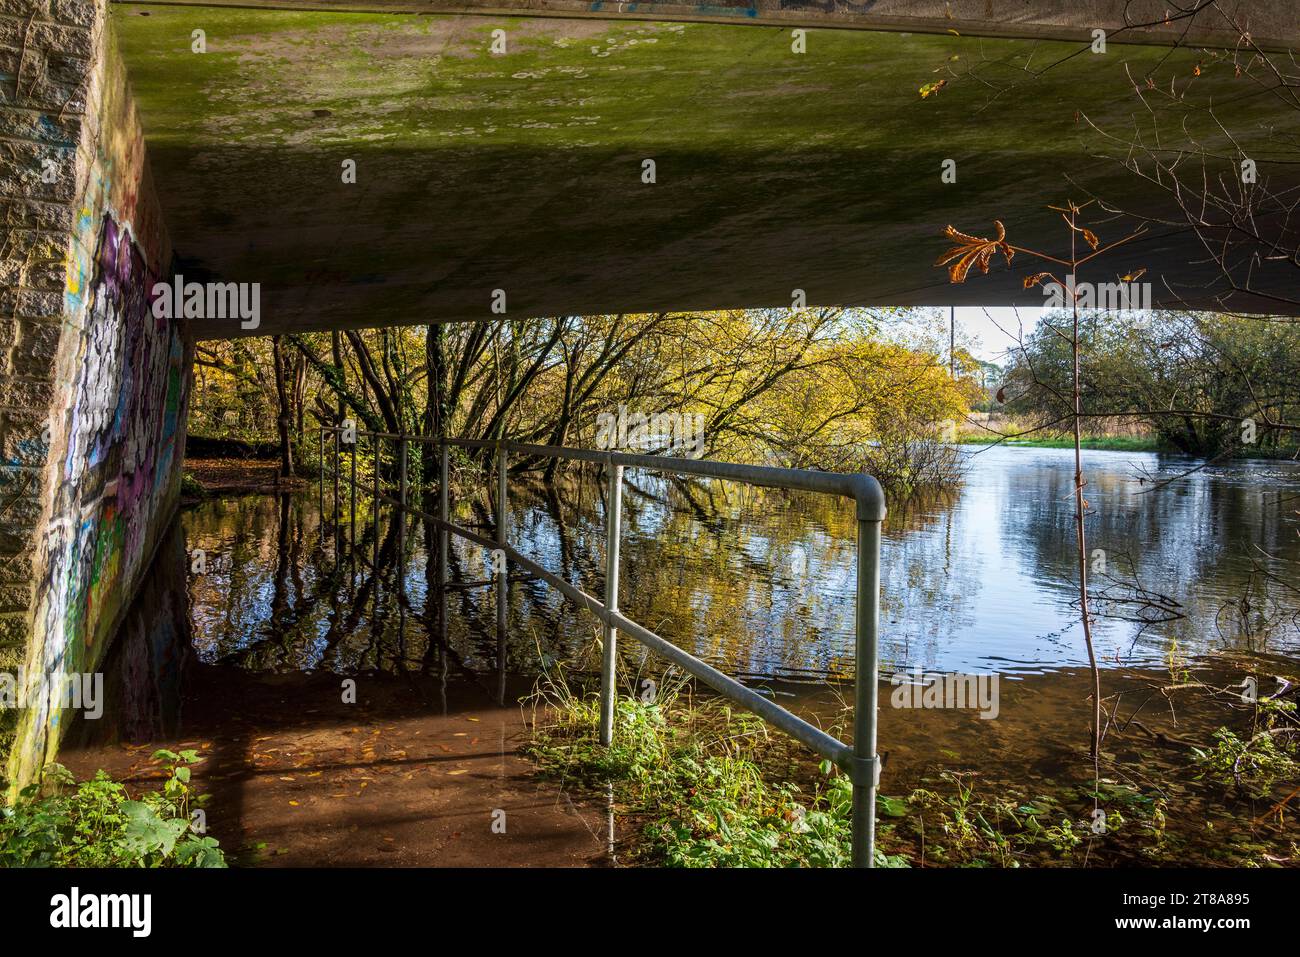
x=115 y=475
x=106 y=467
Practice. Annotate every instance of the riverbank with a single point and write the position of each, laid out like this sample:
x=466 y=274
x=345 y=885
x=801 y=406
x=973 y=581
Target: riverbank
x=235 y=476
x=698 y=784
x=1105 y=443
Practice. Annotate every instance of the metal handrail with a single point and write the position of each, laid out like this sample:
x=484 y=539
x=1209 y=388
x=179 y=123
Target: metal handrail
x=858 y=760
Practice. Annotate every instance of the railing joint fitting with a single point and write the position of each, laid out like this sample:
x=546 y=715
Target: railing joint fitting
x=863 y=772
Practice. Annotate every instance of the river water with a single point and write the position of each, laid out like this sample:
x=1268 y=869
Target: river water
x=761 y=583
x=259 y=608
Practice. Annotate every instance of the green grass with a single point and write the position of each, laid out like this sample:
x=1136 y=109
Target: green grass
x=1108 y=443
x=1114 y=443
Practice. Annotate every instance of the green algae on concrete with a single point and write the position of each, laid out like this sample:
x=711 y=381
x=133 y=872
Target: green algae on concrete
x=774 y=170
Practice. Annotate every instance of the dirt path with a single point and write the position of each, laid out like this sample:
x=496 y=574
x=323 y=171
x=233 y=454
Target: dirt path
x=299 y=778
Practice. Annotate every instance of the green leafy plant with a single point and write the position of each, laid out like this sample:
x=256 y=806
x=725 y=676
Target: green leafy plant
x=686 y=772
x=704 y=785
x=61 y=823
x=1254 y=765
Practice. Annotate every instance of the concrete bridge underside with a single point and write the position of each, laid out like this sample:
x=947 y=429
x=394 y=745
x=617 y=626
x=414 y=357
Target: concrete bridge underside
x=774 y=170
x=139 y=141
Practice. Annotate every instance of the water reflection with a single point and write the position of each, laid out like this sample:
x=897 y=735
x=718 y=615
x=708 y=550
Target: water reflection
x=759 y=582
x=149 y=667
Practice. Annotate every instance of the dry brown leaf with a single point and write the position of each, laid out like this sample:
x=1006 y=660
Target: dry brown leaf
x=973 y=251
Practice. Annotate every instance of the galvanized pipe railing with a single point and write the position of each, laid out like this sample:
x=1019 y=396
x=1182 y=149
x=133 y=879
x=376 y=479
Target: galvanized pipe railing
x=859 y=760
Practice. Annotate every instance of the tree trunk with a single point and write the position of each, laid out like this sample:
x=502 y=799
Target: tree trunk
x=435 y=406
x=1080 y=507
x=284 y=418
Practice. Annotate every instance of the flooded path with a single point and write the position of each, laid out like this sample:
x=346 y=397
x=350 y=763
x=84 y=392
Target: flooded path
x=261 y=608
x=308 y=768
x=298 y=778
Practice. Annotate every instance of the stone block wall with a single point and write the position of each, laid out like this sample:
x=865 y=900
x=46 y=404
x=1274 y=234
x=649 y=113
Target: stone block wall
x=92 y=386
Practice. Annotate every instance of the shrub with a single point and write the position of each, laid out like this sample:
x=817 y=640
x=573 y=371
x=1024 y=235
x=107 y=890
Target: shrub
x=60 y=823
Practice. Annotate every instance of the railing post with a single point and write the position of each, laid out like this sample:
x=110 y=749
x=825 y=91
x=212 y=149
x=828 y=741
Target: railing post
x=353 y=520
x=336 y=516
x=322 y=475
x=444 y=512
x=374 y=499
x=613 y=522
x=503 y=525
x=444 y=539
x=401 y=516
x=338 y=459
x=866 y=770
x=502 y=476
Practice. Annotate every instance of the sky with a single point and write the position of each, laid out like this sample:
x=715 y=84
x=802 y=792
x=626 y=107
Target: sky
x=995 y=328
x=989 y=332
